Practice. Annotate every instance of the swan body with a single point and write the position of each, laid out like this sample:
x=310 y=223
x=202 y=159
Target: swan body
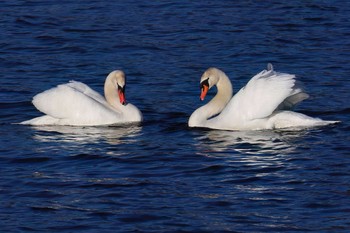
x=76 y=104
x=264 y=103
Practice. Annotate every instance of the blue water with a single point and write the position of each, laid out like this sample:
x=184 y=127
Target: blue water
x=162 y=176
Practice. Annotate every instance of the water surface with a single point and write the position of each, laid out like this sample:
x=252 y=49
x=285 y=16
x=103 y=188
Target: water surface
x=162 y=176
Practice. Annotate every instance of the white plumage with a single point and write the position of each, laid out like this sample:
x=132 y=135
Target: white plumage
x=75 y=103
x=264 y=103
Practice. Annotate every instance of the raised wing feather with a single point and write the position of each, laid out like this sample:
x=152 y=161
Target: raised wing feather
x=264 y=93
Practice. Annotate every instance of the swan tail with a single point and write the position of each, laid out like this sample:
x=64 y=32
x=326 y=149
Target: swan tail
x=269 y=67
x=296 y=94
x=288 y=119
x=42 y=120
x=292 y=100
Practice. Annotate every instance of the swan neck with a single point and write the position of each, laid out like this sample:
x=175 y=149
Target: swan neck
x=224 y=93
x=224 y=88
x=111 y=93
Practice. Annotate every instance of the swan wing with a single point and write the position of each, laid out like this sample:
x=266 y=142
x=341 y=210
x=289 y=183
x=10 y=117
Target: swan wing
x=266 y=92
x=86 y=90
x=74 y=101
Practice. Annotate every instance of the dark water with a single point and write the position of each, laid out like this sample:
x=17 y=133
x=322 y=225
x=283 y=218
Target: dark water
x=162 y=176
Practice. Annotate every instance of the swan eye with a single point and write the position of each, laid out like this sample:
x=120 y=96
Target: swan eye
x=204 y=83
x=120 y=88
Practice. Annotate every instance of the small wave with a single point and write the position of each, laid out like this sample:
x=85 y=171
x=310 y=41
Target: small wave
x=31 y=160
x=44 y=208
x=134 y=218
x=332 y=112
x=24 y=21
x=86 y=157
x=82 y=30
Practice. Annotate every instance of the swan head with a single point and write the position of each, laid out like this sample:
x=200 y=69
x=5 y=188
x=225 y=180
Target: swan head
x=209 y=79
x=117 y=79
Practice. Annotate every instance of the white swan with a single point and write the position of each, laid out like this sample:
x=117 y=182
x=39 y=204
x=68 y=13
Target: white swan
x=262 y=104
x=76 y=104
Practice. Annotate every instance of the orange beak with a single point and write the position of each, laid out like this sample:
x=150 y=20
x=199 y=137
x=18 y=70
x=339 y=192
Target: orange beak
x=121 y=96
x=204 y=91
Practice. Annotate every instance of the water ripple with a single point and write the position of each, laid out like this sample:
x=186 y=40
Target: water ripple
x=161 y=175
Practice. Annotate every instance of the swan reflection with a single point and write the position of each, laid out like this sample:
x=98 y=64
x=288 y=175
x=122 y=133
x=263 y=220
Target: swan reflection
x=251 y=142
x=109 y=134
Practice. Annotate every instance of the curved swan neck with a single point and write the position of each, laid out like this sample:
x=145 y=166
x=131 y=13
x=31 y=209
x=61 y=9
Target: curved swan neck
x=111 y=93
x=224 y=93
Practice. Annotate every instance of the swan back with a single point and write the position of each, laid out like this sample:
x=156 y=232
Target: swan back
x=67 y=101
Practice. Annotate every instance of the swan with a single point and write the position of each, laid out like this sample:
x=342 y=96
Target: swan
x=264 y=103
x=76 y=104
